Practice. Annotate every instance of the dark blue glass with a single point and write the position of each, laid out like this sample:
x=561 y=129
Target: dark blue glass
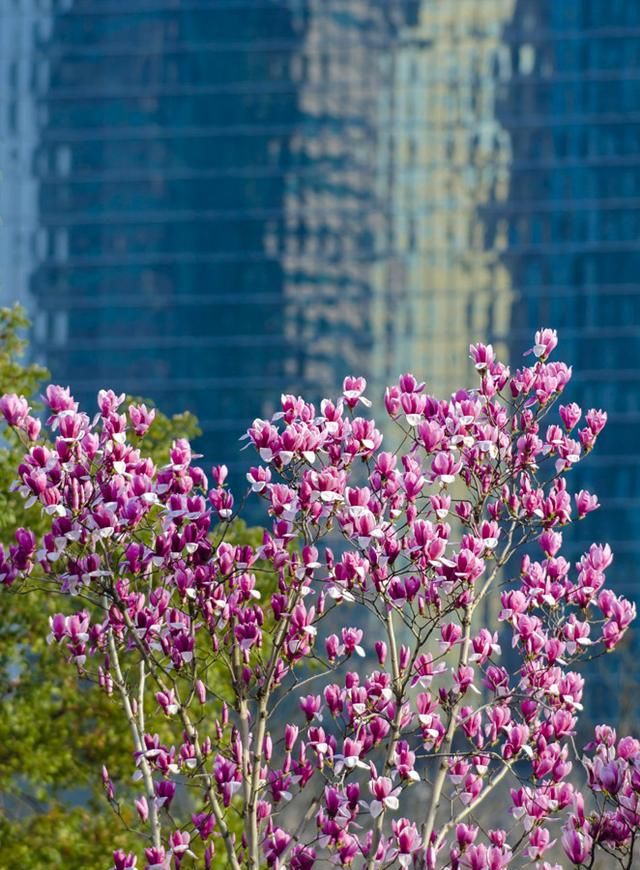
x=210 y=202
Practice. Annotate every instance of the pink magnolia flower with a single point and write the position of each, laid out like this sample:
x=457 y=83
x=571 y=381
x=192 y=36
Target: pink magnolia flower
x=585 y=503
x=577 y=845
x=481 y=355
x=15 y=409
x=425 y=670
x=570 y=415
x=124 y=860
x=385 y=796
x=157 y=859
x=444 y=467
x=59 y=399
x=408 y=841
x=546 y=340
x=142 y=808
x=352 y=390
x=141 y=418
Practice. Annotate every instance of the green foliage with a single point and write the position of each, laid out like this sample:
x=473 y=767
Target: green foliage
x=15 y=377
x=53 y=810
x=49 y=756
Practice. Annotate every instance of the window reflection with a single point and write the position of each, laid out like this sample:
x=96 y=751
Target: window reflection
x=211 y=203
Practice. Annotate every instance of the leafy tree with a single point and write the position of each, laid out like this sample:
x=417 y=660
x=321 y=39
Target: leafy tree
x=53 y=742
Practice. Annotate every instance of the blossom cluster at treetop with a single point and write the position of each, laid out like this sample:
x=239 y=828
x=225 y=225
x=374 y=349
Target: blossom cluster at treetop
x=414 y=653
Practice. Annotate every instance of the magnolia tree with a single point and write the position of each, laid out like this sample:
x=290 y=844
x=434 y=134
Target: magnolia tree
x=324 y=745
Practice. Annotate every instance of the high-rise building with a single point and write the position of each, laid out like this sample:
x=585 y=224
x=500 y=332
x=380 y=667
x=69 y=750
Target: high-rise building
x=204 y=225
x=445 y=156
x=571 y=110
x=513 y=171
x=209 y=202
x=21 y=25
x=161 y=163
x=335 y=243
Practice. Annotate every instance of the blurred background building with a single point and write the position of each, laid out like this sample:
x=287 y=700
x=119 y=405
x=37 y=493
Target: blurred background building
x=571 y=110
x=210 y=202
x=444 y=155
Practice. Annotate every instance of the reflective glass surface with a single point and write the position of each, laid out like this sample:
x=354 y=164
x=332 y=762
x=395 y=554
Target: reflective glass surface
x=210 y=202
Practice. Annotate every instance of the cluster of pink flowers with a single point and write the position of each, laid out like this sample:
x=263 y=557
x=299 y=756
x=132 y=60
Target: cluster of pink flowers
x=411 y=714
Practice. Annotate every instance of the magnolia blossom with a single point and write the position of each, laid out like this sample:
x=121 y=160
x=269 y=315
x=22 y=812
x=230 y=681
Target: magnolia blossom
x=331 y=694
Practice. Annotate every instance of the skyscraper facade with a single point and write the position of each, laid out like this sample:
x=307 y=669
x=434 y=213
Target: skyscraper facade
x=209 y=202
x=20 y=28
x=205 y=225
x=161 y=167
x=571 y=109
x=444 y=156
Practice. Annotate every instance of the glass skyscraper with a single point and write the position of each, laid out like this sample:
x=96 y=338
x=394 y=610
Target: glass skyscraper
x=164 y=139
x=572 y=112
x=445 y=156
x=205 y=222
x=571 y=109
x=209 y=202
